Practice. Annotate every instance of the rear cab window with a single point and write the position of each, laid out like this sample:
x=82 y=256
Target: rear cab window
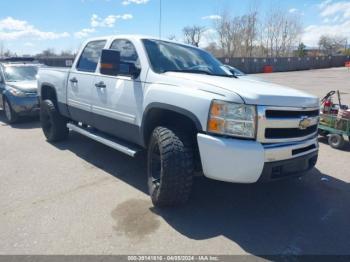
x=90 y=56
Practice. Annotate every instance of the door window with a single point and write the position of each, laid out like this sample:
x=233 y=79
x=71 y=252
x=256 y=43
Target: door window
x=128 y=54
x=91 y=55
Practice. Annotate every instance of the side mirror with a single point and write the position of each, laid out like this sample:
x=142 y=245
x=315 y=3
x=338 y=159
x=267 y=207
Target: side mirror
x=113 y=66
x=134 y=71
x=110 y=62
x=129 y=69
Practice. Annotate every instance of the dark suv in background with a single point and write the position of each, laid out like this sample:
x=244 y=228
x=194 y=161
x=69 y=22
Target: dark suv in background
x=18 y=88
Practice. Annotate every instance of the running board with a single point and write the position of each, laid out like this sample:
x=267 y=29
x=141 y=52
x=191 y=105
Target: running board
x=114 y=143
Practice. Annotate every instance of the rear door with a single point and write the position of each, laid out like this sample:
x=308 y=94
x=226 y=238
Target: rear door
x=117 y=99
x=81 y=82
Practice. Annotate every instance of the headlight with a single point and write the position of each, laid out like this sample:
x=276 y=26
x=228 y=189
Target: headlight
x=17 y=92
x=231 y=119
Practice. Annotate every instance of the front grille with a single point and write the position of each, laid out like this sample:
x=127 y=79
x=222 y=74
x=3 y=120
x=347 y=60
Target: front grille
x=283 y=124
x=291 y=114
x=278 y=133
x=31 y=94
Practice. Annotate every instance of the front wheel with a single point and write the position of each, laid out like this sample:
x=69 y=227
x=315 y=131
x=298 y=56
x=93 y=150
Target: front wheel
x=11 y=116
x=170 y=167
x=54 y=125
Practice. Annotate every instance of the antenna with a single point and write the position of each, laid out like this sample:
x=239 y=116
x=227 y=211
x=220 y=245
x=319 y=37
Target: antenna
x=160 y=19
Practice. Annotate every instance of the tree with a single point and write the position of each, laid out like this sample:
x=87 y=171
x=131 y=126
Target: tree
x=346 y=49
x=193 y=34
x=1 y=49
x=301 y=50
x=330 y=45
x=214 y=49
x=281 y=32
x=47 y=53
x=250 y=29
x=172 y=37
x=67 y=53
x=236 y=34
x=8 y=53
x=223 y=28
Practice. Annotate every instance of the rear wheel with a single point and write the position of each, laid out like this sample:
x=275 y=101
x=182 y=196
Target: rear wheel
x=11 y=116
x=170 y=167
x=336 y=141
x=54 y=125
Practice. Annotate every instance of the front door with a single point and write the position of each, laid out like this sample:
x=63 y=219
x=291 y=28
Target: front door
x=81 y=82
x=116 y=100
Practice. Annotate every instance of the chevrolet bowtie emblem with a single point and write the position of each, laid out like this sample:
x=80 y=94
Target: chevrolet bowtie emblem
x=305 y=123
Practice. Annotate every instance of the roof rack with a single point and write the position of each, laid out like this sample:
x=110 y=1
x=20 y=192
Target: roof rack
x=18 y=60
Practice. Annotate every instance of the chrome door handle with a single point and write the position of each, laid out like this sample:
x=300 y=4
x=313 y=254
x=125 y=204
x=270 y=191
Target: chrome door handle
x=100 y=85
x=73 y=80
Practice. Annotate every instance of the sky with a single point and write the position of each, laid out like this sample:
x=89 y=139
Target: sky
x=28 y=27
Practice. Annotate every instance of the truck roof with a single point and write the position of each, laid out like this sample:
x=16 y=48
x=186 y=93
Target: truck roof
x=136 y=38
x=19 y=61
x=14 y=64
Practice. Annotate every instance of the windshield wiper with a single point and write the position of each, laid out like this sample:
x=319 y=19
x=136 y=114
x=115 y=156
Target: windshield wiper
x=189 y=71
x=230 y=76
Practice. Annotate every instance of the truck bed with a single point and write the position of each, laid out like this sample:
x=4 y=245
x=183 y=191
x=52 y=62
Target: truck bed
x=57 y=77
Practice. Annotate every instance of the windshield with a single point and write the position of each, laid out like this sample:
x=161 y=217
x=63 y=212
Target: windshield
x=171 y=57
x=20 y=73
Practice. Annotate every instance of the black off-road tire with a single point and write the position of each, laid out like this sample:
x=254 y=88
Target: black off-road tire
x=171 y=167
x=336 y=141
x=54 y=125
x=10 y=115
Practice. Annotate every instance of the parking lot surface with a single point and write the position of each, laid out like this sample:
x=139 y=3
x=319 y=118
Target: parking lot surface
x=317 y=82
x=80 y=197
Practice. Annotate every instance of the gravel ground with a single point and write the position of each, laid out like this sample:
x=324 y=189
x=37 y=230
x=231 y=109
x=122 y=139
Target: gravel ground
x=80 y=197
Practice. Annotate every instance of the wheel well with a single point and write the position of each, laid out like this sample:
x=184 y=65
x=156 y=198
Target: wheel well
x=162 y=117
x=48 y=92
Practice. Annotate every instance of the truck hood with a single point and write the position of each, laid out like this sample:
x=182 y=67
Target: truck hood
x=24 y=86
x=250 y=90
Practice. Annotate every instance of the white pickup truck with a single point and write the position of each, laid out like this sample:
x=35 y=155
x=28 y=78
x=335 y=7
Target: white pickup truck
x=184 y=108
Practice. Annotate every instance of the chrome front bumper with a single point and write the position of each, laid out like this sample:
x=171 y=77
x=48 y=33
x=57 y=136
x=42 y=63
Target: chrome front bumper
x=245 y=161
x=279 y=152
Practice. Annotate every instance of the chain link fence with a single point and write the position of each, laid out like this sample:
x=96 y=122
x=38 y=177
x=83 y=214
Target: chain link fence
x=285 y=64
x=57 y=61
